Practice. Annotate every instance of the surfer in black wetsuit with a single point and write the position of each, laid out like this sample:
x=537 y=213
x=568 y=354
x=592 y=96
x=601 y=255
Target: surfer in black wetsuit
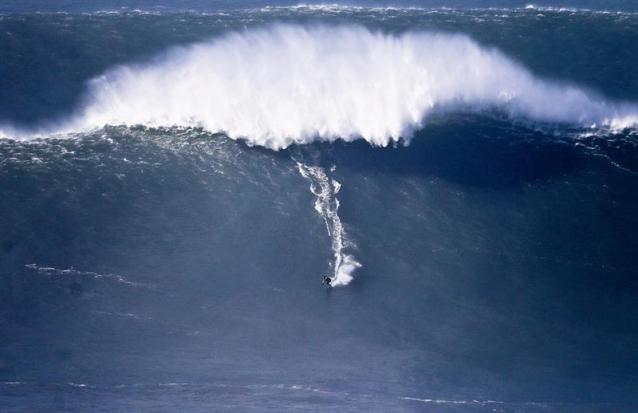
x=327 y=280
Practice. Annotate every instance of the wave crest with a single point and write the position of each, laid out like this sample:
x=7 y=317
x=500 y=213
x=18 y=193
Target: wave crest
x=288 y=84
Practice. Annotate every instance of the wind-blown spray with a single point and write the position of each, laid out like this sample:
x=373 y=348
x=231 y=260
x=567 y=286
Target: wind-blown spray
x=289 y=84
x=286 y=84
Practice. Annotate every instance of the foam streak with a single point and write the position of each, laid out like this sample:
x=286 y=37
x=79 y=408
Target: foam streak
x=327 y=206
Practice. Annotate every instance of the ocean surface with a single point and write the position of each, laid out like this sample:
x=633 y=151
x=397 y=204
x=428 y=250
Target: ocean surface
x=176 y=181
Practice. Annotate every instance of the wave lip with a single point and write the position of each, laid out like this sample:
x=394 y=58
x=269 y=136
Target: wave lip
x=286 y=84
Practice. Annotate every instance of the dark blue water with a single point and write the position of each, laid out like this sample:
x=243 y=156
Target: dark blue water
x=26 y=6
x=151 y=266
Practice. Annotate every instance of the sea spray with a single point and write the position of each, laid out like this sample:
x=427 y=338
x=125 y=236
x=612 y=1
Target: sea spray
x=325 y=190
x=286 y=84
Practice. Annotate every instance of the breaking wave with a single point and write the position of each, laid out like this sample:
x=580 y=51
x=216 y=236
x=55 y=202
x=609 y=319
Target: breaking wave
x=287 y=84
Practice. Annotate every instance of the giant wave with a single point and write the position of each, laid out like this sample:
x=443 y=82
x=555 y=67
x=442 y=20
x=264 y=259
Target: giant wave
x=286 y=84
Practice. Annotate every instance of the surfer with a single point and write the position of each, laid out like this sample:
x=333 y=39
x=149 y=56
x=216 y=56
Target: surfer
x=327 y=280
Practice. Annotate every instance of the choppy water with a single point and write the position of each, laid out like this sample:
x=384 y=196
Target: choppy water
x=174 y=185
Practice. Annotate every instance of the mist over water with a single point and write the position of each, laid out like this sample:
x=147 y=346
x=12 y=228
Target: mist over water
x=288 y=84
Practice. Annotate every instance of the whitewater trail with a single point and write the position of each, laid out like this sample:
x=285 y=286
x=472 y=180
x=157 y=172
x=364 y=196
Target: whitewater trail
x=290 y=84
x=325 y=190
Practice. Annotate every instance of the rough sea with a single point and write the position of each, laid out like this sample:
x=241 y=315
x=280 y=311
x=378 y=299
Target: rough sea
x=177 y=178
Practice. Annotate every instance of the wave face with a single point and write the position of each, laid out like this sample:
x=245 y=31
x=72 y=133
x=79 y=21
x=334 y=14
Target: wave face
x=290 y=84
x=176 y=265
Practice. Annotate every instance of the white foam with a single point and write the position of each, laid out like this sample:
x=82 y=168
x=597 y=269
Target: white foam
x=443 y=401
x=325 y=190
x=287 y=84
x=66 y=272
